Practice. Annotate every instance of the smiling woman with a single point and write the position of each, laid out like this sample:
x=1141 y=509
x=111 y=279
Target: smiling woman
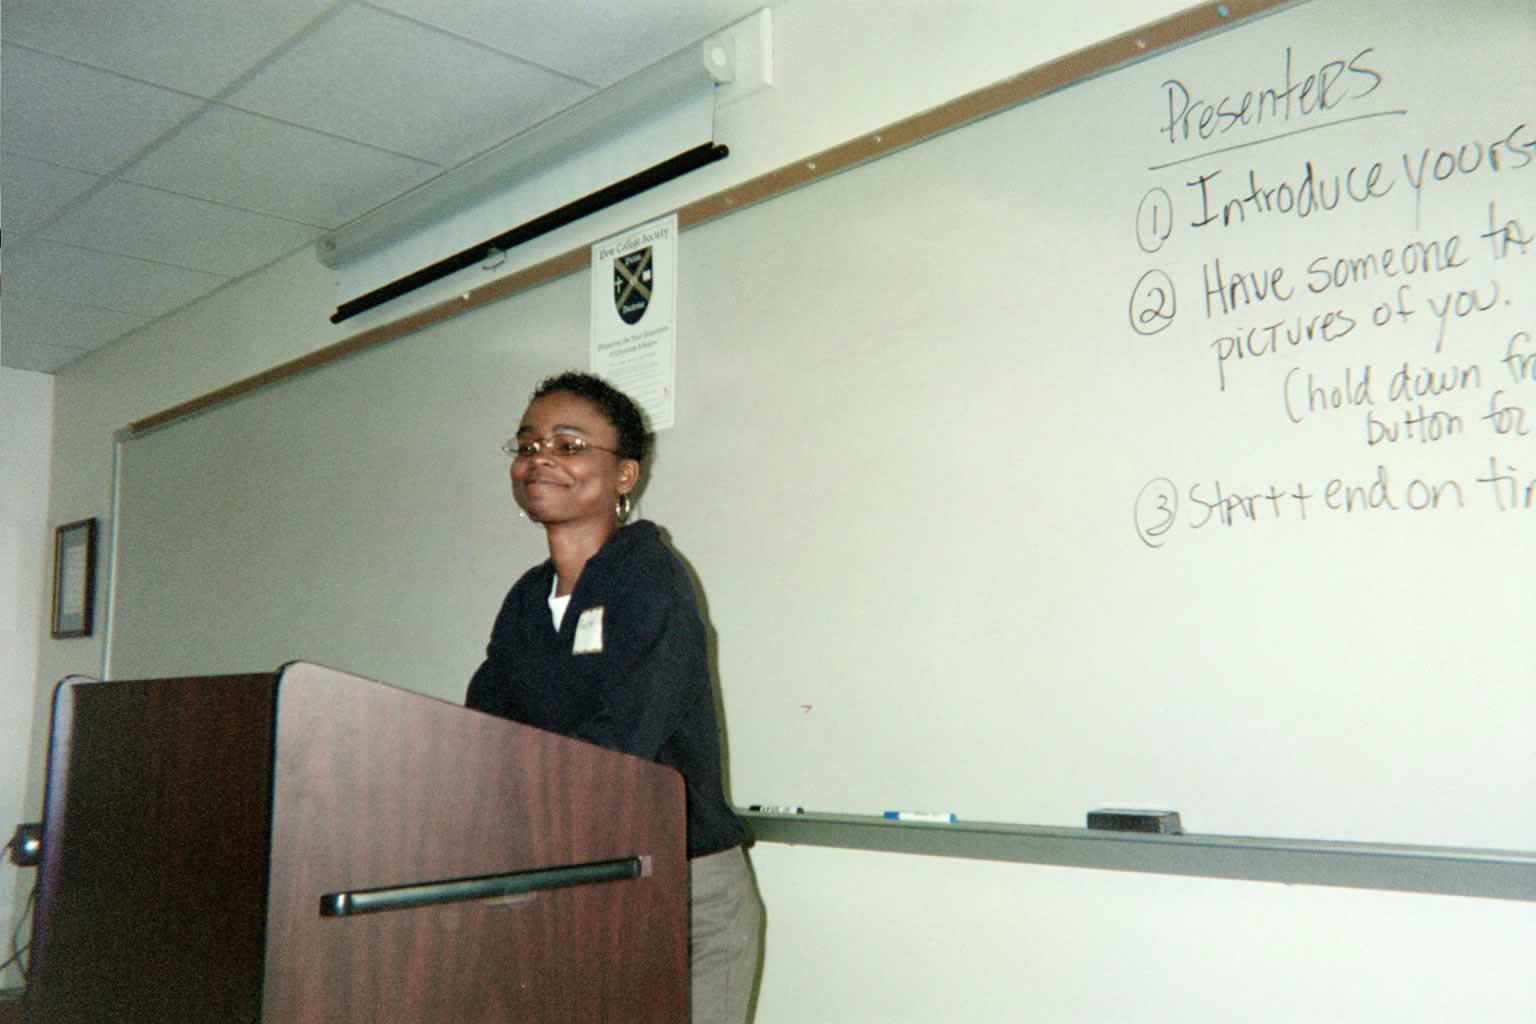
x=562 y=476
x=604 y=642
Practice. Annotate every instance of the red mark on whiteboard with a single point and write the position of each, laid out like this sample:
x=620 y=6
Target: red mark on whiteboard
x=806 y=708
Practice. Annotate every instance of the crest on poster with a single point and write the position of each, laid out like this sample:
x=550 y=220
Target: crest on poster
x=632 y=285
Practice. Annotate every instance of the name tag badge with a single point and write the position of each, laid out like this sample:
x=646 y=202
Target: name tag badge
x=589 y=632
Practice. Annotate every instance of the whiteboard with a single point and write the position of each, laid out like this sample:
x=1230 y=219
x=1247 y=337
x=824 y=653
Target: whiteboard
x=1132 y=446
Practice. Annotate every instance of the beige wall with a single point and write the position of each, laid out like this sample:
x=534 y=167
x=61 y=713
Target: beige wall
x=26 y=427
x=840 y=70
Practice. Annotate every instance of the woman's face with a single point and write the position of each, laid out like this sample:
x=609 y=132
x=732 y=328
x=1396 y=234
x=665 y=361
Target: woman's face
x=554 y=486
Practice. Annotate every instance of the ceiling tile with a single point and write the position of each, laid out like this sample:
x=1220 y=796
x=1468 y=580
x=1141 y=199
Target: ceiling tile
x=249 y=161
x=79 y=117
x=52 y=271
x=371 y=76
x=321 y=110
x=198 y=46
x=40 y=358
x=171 y=228
x=33 y=191
x=608 y=40
x=33 y=322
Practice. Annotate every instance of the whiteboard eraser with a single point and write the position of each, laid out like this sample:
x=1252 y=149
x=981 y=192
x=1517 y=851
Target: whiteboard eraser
x=1163 y=822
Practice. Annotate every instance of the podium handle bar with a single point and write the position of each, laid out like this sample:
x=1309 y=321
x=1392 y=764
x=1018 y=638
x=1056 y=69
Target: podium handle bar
x=469 y=890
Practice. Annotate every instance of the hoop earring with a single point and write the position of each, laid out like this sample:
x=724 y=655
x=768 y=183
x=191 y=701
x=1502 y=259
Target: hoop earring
x=621 y=507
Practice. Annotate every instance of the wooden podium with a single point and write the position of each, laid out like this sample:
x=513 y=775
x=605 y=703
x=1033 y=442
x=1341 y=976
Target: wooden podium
x=312 y=846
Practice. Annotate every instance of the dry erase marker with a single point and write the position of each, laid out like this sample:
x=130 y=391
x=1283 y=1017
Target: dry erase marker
x=947 y=817
x=777 y=809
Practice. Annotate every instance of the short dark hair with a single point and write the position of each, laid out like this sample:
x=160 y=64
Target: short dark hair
x=617 y=408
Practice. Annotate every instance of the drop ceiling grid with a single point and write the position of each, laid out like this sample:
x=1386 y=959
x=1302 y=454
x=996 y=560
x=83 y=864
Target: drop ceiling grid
x=154 y=151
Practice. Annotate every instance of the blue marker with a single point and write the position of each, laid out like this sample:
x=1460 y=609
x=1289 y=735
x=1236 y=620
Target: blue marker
x=945 y=817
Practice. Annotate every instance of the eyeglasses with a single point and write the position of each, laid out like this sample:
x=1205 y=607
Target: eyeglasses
x=561 y=446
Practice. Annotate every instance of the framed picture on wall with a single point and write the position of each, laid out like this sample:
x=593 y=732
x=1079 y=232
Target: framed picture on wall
x=74 y=578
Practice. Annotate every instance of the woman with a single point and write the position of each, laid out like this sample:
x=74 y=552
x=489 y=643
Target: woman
x=604 y=642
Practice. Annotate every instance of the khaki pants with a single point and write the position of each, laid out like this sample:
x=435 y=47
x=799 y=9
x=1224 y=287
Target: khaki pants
x=725 y=937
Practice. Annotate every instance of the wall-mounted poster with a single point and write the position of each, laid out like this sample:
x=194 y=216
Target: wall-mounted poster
x=634 y=316
x=74 y=578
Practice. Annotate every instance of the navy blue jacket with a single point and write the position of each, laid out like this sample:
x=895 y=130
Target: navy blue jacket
x=647 y=692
